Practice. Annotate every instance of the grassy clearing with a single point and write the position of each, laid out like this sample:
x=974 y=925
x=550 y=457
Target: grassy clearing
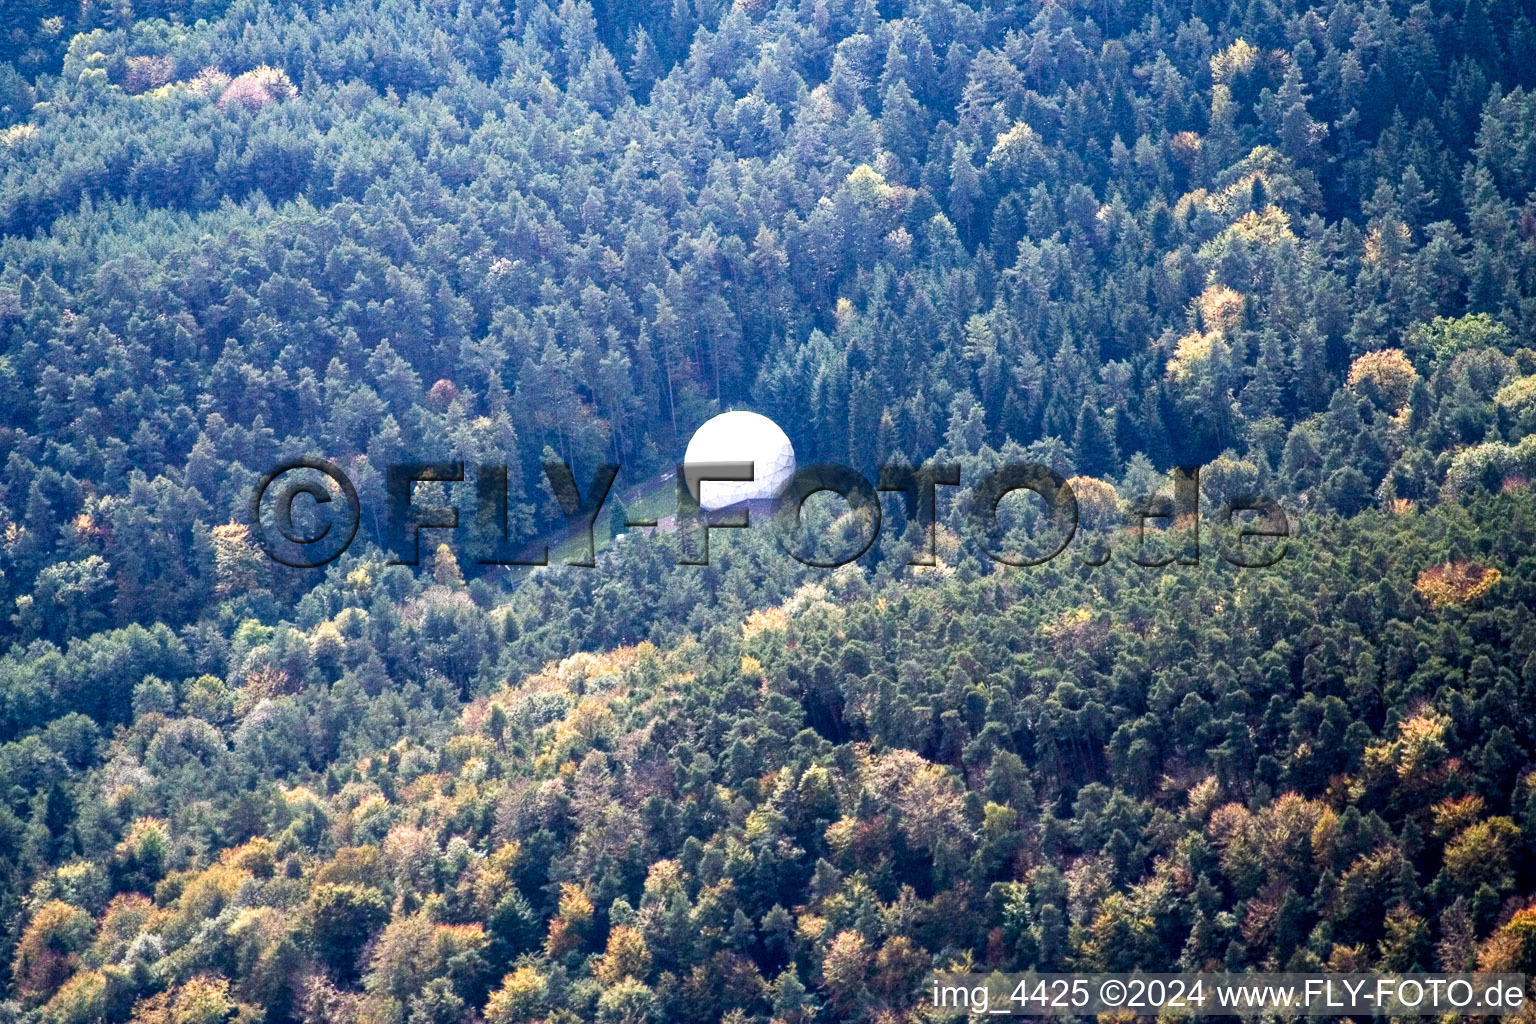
x=655 y=499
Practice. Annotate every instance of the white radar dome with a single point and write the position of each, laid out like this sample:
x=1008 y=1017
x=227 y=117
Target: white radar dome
x=739 y=437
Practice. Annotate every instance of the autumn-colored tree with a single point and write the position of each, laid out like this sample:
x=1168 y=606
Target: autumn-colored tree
x=520 y=997
x=569 y=927
x=845 y=971
x=627 y=956
x=50 y=948
x=1385 y=376
x=1482 y=854
x=81 y=1000
x=445 y=568
x=899 y=966
x=202 y=1000
x=1456 y=583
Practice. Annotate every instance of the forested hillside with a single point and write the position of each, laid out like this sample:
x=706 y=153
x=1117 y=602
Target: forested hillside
x=1295 y=244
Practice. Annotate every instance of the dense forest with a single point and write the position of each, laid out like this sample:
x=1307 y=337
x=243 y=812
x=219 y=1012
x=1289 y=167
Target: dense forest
x=1291 y=242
